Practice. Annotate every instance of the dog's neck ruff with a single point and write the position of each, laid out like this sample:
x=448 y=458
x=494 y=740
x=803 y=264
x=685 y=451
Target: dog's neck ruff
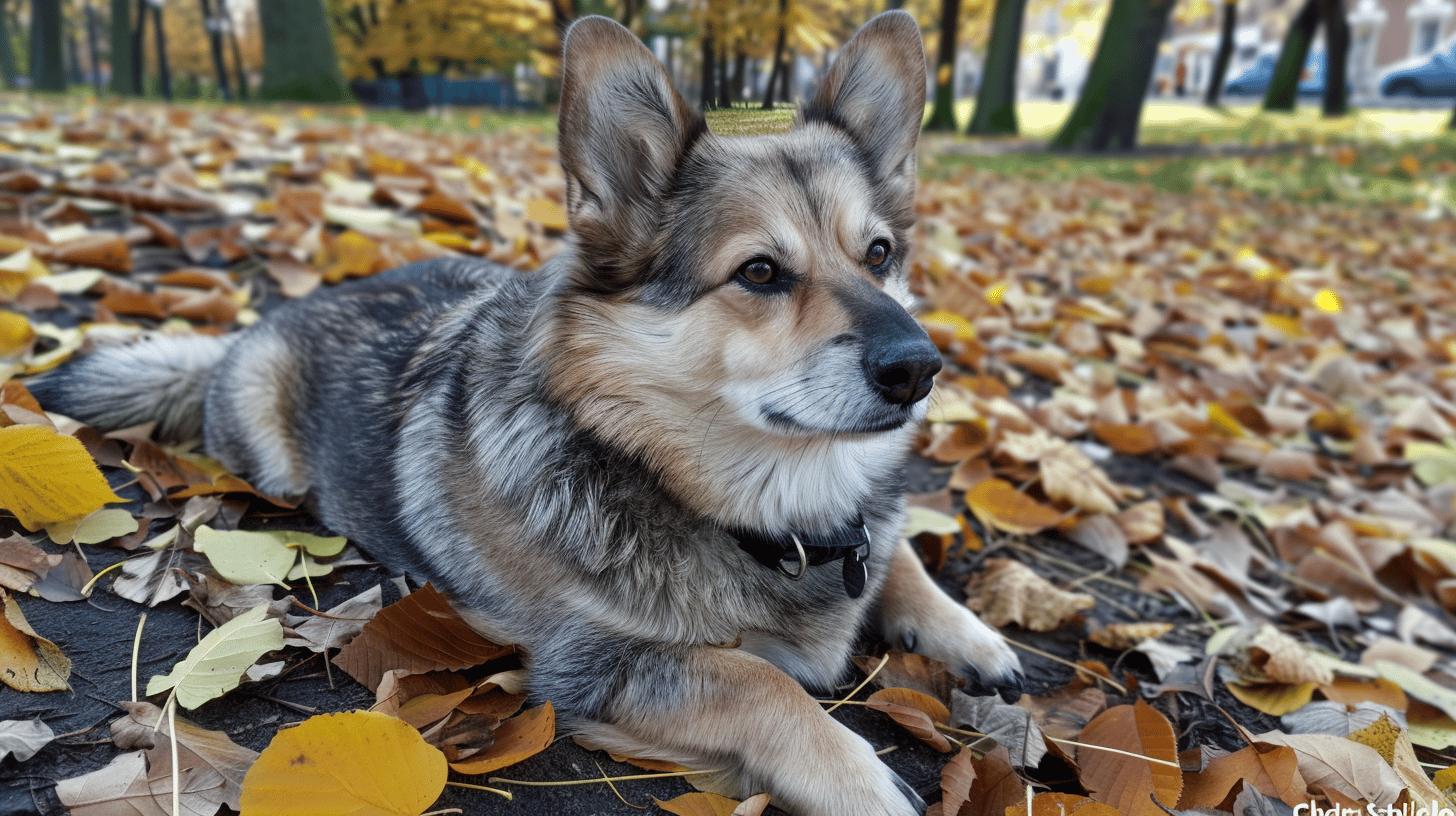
x=793 y=552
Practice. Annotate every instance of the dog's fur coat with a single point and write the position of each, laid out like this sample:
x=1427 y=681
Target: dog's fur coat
x=563 y=451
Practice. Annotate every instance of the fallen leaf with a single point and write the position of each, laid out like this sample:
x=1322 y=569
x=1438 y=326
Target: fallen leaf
x=339 y=624
x=1122 y=636
x=1130 y=783
x=1007 y=591
x=998 y=504
x=915 y=712
x=29 y=662
x=216 y=664
x=46 y=477
x=22 y=739
x=264 y=557
x=209 y=759
x=1271 y=769
x=1336 y=764
x=699 y=804
x=1274 y=699
x=1012 y=727
x=358 y=762
x=417 y=634
x=517 y=739
x=1325 y=717
x=139 y=783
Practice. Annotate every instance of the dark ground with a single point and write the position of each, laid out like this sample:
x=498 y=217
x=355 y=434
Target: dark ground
x=97 y=634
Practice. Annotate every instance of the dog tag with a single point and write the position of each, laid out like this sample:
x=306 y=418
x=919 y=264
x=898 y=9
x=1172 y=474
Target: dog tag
x=855 y=575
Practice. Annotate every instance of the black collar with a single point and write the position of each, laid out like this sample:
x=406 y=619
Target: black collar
x=793 y=552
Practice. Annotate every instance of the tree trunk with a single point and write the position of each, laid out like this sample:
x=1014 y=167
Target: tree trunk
x=1110 y=107
x=740 y=75
x=164 y=67
x=75 y=75
x=629 y=12
x=214 y=26
x=236 y=49
x=47 y=46
x=1284 y=87
x=786 y=77
x=942 y=115
x=725 y=92
x=298 y=53
x=8 y=72
x=93 y=52
x=412 y=94
x=1337 y=58
x=138 y=49
x=706 y=91
x=995 y=113
x=780 y=40
x=1225 y=53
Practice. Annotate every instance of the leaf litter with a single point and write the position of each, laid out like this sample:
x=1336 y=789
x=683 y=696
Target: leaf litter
x=1202 y=449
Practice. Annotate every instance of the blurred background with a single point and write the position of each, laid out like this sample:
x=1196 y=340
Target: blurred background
x=1080 y=74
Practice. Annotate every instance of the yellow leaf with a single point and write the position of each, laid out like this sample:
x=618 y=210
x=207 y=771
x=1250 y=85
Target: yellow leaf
x=16 y=335
x=698 y=804
x=1274 y=699
x=359 y=763
x=1328 y=301
x=996 y=293
x=957 y=325
x=519 y=738
x=29 y=662
x=547 y=213
x=1225 y=421
x=1285 y=324
x=999 y=504
x=46 y=477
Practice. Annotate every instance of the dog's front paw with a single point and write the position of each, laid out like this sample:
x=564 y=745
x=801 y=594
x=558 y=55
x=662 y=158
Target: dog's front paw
x=945 y=630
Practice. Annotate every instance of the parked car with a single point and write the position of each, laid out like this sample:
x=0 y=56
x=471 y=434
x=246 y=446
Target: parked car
x=1255 y=81
x=1433 y=76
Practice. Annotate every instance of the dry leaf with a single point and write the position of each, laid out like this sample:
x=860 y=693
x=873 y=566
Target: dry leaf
x=517 y=739
x=216 y=664
x=1337 y=765
x=998 y=504
x=699 y=804
x=915 y=712
x=29 y=662
x=419 y=633
x=1130 y=783
x=1008 y=591
x=1271 y=769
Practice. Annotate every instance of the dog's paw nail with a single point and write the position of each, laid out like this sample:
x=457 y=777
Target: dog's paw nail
x=1009 y=685
x=908 y=640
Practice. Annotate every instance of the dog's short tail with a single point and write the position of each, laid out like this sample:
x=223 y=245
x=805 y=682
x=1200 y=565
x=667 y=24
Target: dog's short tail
x=159 y=378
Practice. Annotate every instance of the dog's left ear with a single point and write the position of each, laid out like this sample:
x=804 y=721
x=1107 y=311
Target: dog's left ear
x=623 y=129
x=876 y=91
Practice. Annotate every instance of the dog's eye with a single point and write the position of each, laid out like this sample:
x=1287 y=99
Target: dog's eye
x=878 y=253
x=759 y=272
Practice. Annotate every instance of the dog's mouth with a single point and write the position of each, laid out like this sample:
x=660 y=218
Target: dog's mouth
x=889 y=418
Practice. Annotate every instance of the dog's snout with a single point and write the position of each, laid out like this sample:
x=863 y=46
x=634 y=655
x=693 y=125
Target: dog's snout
x=903 y=370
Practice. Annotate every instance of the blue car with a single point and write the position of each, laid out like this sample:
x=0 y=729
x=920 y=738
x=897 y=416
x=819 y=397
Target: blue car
x=1255 y=81
x=1434 y=77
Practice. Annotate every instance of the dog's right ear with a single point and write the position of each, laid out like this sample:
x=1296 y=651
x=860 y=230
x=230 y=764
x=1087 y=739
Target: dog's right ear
x=623 y=130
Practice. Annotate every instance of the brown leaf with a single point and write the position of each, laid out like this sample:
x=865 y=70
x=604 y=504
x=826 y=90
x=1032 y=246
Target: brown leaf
x=1062 y=804
x=201 y=755
x=1130 y=783
x=102 y=250
x=517 y=739
x=915 y=712
x=1336 y=765
x=1126 y=438
x=699 y=804
x=1120 y=636
x=1007 y=591
x=419 y=633
x=1272 y=769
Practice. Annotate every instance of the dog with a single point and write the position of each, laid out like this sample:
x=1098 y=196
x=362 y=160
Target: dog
x=669 y=463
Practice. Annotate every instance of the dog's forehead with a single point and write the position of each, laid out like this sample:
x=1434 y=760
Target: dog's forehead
x=806 y=155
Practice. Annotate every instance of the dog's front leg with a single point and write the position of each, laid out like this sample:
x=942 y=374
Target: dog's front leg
x=917 y=615
x=725 y=709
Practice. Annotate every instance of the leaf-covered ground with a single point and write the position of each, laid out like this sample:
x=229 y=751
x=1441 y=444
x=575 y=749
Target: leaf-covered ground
x=1194 y=454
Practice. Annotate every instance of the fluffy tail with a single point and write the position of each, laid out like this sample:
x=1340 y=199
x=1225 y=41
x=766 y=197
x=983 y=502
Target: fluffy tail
x=158 y=379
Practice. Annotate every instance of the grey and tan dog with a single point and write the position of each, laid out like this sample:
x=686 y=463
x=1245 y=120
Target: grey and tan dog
x=669 y=463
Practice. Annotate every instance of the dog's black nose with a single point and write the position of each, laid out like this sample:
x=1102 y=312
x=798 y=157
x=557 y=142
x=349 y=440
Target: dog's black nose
x=903 y=370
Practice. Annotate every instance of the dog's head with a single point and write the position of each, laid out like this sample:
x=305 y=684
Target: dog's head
x=732 y=301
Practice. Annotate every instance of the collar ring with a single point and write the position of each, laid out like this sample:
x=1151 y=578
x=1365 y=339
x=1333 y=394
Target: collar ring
x=803 y=557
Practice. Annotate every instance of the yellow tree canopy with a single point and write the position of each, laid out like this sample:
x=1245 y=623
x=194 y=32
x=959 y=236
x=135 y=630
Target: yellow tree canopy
x=430 y=34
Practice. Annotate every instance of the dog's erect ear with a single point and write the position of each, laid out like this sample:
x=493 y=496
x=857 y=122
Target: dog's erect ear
x=876 y=91
x=623 y=130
